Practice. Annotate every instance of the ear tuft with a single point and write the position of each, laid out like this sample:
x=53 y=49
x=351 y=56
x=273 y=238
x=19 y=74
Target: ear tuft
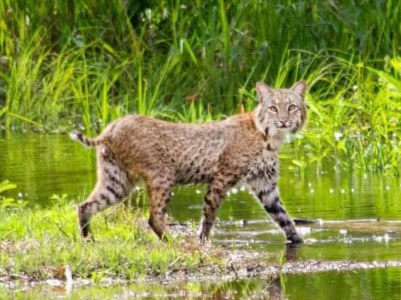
x=300 y=87
x=263 y=90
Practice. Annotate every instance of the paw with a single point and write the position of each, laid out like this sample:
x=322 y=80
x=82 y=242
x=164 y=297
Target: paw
x=203 y=239
x=294 y=239
x=86 y=234
x=88 y=239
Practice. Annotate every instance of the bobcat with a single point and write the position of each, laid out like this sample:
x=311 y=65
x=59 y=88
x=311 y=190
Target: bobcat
x=242 y=147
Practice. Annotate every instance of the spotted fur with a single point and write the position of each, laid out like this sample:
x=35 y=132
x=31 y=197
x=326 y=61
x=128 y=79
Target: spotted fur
x=219 y=154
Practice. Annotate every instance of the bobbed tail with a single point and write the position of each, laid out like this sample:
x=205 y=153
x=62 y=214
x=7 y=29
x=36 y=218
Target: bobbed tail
x=88 y=142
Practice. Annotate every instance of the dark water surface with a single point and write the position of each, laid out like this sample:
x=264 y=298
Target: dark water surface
x=359 y=219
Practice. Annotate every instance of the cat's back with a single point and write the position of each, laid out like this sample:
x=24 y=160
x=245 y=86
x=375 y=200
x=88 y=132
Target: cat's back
x=147 y=130
x=138 y=127
x=146 y=136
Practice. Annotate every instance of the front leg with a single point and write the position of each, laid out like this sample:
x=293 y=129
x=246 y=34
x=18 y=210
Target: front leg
x=267 y=193
x=274 y=207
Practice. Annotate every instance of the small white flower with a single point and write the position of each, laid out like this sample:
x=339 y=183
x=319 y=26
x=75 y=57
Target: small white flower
x=391 y=87
x=148 y=14
x=338 y=135
x=234 y=190
x=166 y=13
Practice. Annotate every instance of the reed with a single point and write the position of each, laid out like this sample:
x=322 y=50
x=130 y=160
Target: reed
x=82 y=64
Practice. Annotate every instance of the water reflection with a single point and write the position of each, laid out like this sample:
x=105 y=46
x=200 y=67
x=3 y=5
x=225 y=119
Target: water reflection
x=266 y=288
x=43 y=165
x=362 y=284
x=292 y=252
x=364 y=240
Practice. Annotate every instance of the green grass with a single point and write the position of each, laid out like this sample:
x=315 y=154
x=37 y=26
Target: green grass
x=37 y=244
x=82 y=64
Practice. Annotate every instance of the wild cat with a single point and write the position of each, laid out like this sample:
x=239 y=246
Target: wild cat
x=220 y=154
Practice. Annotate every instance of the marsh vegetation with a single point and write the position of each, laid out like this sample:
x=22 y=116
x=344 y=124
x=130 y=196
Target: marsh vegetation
x=80 y=64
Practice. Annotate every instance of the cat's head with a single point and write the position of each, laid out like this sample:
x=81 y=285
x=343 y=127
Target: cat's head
x=280 y=110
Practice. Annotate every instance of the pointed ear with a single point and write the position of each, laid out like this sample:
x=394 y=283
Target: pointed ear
x=299 y=88
x=263 y=90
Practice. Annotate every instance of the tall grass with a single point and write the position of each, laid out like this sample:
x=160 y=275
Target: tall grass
x=84 y=63
x=355 y=117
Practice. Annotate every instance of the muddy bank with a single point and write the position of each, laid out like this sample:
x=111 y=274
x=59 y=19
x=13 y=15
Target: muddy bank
x=243 y=264
x=238 y=264
x=218 y=261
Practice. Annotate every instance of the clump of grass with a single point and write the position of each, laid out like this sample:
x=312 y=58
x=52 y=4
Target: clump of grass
x=355 y=118
x=37 y=244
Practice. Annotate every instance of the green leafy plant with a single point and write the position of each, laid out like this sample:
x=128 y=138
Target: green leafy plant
x=7 y=202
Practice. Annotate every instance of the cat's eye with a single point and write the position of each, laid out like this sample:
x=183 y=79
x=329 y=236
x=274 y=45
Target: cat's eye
x=292 y=107
x=273 y=109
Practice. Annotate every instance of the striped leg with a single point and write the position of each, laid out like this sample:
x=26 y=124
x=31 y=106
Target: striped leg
x=112 y=187
x=267 y=193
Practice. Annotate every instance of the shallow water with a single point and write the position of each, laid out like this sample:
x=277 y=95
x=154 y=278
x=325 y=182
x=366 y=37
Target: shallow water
x=367 y=285
x=43 y=165
x=357 y=219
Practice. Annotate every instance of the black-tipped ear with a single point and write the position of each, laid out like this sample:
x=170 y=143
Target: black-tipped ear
x=300 y=88
x=263 y=90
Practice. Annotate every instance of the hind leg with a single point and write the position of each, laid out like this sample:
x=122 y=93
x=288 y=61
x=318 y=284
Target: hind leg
x=112 y=187
x=213 y=198
x=159 y=191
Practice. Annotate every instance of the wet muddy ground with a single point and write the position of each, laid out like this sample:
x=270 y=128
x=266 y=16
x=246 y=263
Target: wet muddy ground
x=267 y=262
